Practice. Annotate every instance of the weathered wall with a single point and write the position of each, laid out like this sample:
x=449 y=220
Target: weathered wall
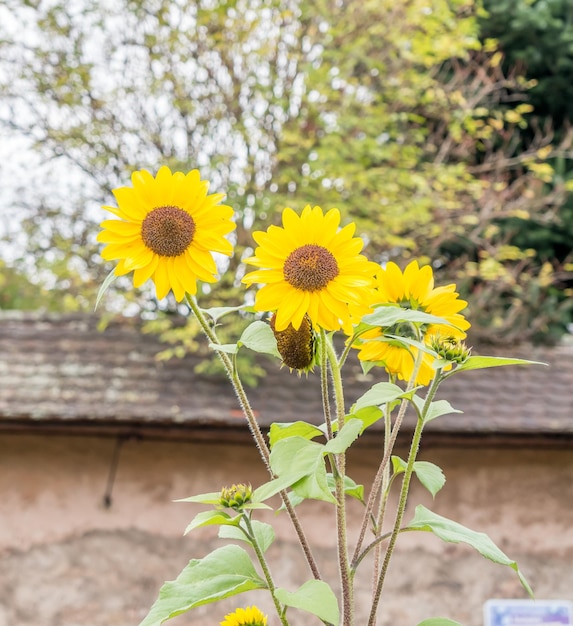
x=66 y=560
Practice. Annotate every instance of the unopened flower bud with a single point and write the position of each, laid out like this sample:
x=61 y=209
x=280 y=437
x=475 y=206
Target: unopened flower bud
x=236 y=496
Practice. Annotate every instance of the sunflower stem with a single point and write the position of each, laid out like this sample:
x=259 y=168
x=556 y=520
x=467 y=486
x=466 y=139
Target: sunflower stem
x=254 y=427
x=414 y=447
x=324 y=385
x=377 y=483
x=266 y=571
x=346 y=578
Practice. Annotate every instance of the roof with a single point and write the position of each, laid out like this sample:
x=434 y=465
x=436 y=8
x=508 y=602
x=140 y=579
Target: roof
x=64 y=371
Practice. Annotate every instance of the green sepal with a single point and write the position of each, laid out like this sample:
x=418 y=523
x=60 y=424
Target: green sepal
x=482 y=362
x=212 y=518
x=259 y=337
x=263 y=532
x=314 y=596
x=452 y=532
x=225 y=572
x=282 y=430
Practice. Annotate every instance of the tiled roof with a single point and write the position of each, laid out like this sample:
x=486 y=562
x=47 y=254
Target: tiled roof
x=63 y=370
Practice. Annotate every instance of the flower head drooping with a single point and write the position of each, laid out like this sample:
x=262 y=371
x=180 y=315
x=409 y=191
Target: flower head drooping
x=168 y=230
x=296 y=347
x=236 y=496
x=310 y=267
x=251 y=616
x=412 y=289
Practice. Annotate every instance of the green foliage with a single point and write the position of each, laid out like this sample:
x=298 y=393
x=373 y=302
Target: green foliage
x=316 y=597
x=225 y=572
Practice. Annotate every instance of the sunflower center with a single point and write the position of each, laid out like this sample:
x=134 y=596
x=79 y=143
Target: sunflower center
x=310 y=268
x=168 y=230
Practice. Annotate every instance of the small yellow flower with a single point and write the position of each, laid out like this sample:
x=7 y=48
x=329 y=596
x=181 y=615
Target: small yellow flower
x=310 y=267
x=168 y=230
x=412 y=289
x=251 y=616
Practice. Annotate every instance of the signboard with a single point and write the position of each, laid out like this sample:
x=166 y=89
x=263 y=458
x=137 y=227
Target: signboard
x=528 y=613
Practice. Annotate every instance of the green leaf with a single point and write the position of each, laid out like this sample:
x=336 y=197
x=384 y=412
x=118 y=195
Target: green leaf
x=259 y=337
x=368 y=415
x=214 y=497
x=482 y=362
x=436 y=408
x=439 y=621
x=452 y=532
x=315 y=597
x=281 y=430
x=225 y=572
x=378 y=394
x=217 y=312
x=211 y=518
x=430 y=475
x=104 y=287
x=345 y=437
x=351 y=488
x=229 y=348
x=301 y=462
x=264 y=534
x=386 y=316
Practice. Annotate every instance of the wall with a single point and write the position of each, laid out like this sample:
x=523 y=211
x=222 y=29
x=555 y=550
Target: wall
x=67 y=560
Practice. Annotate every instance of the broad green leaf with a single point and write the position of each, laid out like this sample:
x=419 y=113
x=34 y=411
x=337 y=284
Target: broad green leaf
x=281 y=430
x=259 y=337
x=271 y=488
x=225 y=572
x=368 y=415
x=351 y=488
x=378 y=394
x=229 y=348
x=482 y=362
x=104 y=287
x=386 y=316
x=430 y=475
x=314 y=596
x=345 y=437
x=211 y=518
x=214 y=497
x=264 y=534
x=217 y=312
x=301 y=462
x=452 y=532
x=439 y=621
x=436 y=408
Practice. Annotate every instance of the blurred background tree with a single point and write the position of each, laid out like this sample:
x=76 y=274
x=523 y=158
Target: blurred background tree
x=406 y=116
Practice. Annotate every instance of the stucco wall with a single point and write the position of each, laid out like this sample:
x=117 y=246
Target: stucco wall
x=66 y=560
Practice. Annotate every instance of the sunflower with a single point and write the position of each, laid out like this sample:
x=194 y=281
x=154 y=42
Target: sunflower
x=412 y=289
x=310 y=267
x=251 y=616
x=168 y=229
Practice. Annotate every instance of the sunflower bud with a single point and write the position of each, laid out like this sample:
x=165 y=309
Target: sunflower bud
x=236 y=496
x=450 y=349
x=296 y=347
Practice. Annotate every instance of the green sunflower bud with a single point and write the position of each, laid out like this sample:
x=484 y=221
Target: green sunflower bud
x=236 y=496
x=450 y=349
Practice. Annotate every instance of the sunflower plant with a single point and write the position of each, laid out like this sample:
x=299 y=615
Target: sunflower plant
x=313 y=283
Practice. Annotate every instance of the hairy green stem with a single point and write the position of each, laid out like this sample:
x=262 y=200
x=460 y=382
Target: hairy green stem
x=414 y=447
x=255 y=430
x=377 y=483
x=324 y=385
x=346 y=578
x=266 y=571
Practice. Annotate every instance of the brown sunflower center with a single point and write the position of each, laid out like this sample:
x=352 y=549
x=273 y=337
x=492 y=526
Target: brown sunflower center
x=168 y=230
x=310 y=267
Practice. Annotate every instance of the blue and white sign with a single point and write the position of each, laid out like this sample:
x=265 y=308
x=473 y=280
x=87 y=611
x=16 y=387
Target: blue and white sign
x=528 y=613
